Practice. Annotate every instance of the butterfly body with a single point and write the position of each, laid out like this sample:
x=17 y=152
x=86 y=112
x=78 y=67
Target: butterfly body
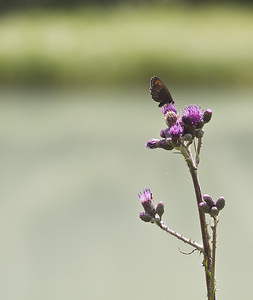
x=160 y=92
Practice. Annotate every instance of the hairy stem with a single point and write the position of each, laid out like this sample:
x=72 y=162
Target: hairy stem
x=214 y=246
x=203 y=225
x=179 y=236
x=197 y=159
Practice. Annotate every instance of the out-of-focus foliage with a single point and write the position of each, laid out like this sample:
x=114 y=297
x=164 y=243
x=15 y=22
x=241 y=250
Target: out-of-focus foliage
x=127 y=45
x=12 y=4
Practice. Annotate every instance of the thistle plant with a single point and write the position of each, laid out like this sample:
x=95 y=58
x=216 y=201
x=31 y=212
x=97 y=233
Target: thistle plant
x=184 y=133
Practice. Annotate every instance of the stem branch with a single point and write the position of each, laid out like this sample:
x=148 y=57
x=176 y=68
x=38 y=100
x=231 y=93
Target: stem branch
x=177 y=235
x=197 y=159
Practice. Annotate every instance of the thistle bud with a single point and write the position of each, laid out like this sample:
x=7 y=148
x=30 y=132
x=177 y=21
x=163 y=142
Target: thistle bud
x=160 y=209
x=204 y=207
x=170 y=118
x=165 y=144
x=199 y=133
x=200 y=124
x=187 y=137
x=145 y=217
x=152 y=144
x=207 y=198
x=214 y=211
x=220 y=203
x=207 y=115
x=163 y=133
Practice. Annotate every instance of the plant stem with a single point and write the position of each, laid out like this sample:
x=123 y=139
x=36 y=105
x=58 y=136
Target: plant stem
x=204 y=231
x=214 y=246
x=179 y=236
x=198 y=151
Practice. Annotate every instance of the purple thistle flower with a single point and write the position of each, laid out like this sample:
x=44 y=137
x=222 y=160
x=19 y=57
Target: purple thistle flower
x=146 y=195
x=146 y=201
x=176 y=130
x=169 y=107
x=192 y=115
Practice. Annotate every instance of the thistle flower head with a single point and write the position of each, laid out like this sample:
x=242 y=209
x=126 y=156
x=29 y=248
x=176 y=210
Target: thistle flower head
x=146 y=195
x=182 y=128
x=192 y=115
x=176 y=130
x=146 y=201
x=169 y=107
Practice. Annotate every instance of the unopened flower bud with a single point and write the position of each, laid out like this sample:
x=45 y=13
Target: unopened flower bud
x=165 y=144
x=207 y=198
x=199 y=133
x=152 y=144
x=145 y=217
x=149 y=207
x=163 y=133
x=170 y=118
x=204 y=207
x=200 y=124
x=214 y=211
x=207 y=115
x=187 y=137
x=220 y=203
x=160 y=209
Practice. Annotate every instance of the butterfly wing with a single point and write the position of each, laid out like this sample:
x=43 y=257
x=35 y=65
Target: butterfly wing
x=159 y=92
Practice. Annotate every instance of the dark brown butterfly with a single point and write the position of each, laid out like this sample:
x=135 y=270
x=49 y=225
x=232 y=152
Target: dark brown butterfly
x=159 y=92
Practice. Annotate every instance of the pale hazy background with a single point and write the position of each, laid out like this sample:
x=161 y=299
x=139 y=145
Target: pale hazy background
x=75 y=113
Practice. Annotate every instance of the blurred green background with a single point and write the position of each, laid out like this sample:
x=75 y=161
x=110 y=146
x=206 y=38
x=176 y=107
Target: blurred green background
x=75 y=112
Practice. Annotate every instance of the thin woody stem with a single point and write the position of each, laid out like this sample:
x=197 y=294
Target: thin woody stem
x=203 y=225
x=214 y=246
x=204 y=232
x=197 y=159
x=177 y=235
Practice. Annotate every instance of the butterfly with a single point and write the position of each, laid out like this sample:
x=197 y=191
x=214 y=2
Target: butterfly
x=160 y=92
